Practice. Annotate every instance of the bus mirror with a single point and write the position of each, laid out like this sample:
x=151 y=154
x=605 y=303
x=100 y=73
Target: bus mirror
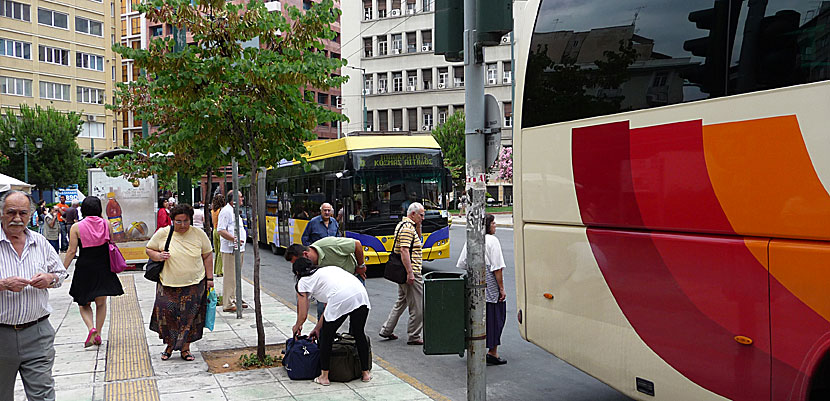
x=346 y=187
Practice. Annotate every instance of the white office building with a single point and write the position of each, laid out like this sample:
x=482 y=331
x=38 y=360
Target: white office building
x=403 y=84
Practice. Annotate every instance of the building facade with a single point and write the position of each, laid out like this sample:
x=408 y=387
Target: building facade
x=402 y=83
x=58 y=54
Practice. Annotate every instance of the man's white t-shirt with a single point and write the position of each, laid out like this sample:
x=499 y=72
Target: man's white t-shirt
x=225 y=222
x=341 y=291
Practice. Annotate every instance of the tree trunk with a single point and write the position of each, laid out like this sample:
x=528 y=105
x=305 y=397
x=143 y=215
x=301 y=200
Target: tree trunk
x=254 y=195
x=208 y=197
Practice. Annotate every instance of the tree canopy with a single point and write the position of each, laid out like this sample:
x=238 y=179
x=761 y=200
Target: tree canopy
x=450 y=136
x=59 y=162
x=217 y=98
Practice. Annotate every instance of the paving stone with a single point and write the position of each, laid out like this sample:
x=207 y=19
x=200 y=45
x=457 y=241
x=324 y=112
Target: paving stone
x=258 y=391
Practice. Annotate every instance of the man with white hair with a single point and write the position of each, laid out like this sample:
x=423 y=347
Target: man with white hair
x=410 y=295
x=321 y=226
x=28 y=266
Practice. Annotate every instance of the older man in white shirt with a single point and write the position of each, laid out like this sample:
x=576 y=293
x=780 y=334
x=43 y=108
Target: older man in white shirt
x=227 y=242
x=28 y=266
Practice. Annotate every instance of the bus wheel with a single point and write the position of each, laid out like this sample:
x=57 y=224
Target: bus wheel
x=820 y=382
x=275 y=249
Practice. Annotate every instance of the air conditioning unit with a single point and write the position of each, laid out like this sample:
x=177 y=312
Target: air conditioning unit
x=425 y=48
x=411 y=88
x=395 y=13
x=491 y=81
x=368 y=16
x=367 y=91
x=396 y=51
x=90 y=118
x=426 y=128
x=505 y=40
x=410 y=11
x=508 y=77
x=441 y=86
x=396 y=129
x=381 y=90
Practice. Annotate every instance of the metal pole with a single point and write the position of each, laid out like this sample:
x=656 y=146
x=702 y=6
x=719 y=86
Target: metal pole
x=25 y=160
x=237 y=255
x=476 y=188
x=363 y=95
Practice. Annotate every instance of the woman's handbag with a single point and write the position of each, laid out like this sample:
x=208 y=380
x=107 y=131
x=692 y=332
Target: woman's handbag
x=395 y=271
x=117 y=262
x=153 y=268
x=210 y=315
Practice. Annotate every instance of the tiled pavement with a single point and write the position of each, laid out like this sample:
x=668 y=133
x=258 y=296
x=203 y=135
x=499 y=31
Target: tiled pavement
x=81 y=373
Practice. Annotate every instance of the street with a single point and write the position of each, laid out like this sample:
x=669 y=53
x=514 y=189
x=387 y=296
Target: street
x=530 y=374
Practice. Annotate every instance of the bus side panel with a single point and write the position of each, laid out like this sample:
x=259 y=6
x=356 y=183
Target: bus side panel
x=800 y=313
x=585 y=326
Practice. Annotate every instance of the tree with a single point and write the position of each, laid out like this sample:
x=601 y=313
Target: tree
x=248 y=102
x=59 y=162
x=504 y=164
x=450 y=136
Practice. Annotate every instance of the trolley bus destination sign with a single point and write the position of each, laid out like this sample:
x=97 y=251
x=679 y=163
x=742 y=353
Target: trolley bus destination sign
x=398 y=160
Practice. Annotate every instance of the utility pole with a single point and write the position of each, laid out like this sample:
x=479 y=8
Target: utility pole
x=237 y=252
x=476 y=189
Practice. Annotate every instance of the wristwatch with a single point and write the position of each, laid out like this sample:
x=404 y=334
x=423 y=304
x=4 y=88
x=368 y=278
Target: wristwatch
x=54 y=280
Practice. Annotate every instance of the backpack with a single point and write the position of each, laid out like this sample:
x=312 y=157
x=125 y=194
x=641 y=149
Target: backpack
x=344 y=365
x=302 y=358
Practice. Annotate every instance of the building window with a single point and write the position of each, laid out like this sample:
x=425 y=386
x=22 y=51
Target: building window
x=508 y=114
x=382 y=47
x=397 y=82
x=660 y=79
x=306 y=4
x=90 y=95
x=427 y=5
x=123 y=27
x=15 y=10
x=335 y=55
x=322 y=98
x=411 y=81
x=335 y=101
x=16 y=86
x=157 y=30
x=458 y=77
x=426 y=40
x=443 y=77
x=92 y=130
x=16 y=49
x=89 y=61
x=382 y=84
x=135 y=26
x=397 y=44
x=88 y=26
x=52 y=18
x=427 y=121
x=442 y=116
x=507 y=75
x=367 y=47
x=54 y=91
x=492 y=71
x=368 y=86
x=53 y=55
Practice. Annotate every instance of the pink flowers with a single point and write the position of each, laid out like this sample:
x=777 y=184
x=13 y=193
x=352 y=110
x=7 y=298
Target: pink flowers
x=504 y=164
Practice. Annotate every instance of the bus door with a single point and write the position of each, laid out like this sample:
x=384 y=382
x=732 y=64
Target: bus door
x=283 y=213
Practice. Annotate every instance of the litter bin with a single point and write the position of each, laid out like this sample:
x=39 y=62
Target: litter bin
x=444 y=315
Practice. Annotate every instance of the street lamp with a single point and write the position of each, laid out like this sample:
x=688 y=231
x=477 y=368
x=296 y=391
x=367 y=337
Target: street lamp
x=362 y=94
x=13 y=145
x=89 y=120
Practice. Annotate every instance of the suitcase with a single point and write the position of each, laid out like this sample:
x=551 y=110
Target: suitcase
x=344 y=364
x=302 y=358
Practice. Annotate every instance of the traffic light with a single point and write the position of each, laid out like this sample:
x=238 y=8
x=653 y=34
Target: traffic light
x=449 y=29
x=777 y=62
x=721 y=22
x=494 y=19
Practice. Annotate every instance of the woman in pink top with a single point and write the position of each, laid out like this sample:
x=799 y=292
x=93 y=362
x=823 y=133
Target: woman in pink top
x=92 y=279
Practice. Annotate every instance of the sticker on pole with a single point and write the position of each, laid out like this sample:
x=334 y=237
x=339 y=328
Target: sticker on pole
x=476 y=182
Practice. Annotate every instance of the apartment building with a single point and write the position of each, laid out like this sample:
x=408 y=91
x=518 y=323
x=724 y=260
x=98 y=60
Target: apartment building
x=403 y=84
x=58 y=54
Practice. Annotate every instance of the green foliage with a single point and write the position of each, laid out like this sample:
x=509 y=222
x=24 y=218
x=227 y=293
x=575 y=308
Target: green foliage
x=59 y=162
x=217 y=94
x=251 y=360
x=450 y=136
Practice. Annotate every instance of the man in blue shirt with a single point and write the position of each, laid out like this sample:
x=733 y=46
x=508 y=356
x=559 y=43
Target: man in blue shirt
x=320 y=226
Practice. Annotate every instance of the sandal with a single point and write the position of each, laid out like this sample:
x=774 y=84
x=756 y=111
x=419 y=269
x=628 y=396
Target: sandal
x=187 y=356
x=165 y=355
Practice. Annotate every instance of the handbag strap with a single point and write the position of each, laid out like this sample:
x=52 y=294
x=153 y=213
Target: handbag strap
x=398 y=232
x=169 y=236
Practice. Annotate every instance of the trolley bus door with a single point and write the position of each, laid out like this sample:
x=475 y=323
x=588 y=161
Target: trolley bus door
x=283 y=216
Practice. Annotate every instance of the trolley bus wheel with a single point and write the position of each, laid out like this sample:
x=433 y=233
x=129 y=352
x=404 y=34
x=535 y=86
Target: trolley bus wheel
x=820 y=387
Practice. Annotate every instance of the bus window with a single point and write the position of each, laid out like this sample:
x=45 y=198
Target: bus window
x=608 y=57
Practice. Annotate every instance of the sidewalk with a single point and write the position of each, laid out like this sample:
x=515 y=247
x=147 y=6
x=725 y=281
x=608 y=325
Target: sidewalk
x=502 y=220
x=127 y=366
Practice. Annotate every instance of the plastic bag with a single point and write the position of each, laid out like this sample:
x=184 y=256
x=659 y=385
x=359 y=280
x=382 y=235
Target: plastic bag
x=210 y=316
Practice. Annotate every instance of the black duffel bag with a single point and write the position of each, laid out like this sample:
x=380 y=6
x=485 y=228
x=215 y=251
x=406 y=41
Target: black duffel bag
x=344 y=365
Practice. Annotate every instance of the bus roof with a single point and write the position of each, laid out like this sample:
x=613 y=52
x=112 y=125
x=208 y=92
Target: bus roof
x=336 y=147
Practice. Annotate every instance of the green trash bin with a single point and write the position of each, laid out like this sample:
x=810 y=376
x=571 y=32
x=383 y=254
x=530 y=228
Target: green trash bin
x=444 y=313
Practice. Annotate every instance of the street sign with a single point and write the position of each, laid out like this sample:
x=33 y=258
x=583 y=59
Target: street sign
x=492 y=129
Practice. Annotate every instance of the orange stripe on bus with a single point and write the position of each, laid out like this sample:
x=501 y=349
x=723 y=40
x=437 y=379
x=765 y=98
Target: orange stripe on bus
x=764 y=179
x=804 y=269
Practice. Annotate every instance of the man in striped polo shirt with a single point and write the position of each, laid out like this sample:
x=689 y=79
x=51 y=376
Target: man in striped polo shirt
x=410 y=295
x=28 y=266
